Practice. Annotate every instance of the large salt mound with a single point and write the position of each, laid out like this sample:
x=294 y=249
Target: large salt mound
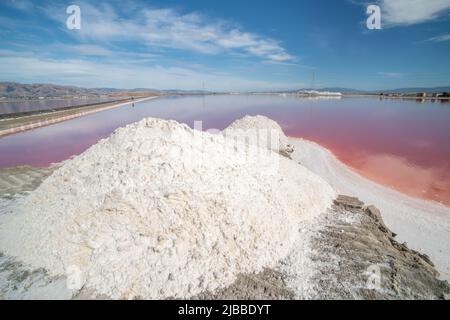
x=261 y=129
x=159 y=210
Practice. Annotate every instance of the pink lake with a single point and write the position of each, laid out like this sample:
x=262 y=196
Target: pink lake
x=403 y=144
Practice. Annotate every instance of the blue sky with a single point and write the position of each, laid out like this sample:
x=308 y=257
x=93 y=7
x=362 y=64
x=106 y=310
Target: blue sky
x=226 y=44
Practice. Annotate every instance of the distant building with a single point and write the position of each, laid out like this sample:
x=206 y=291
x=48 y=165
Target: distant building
x=314 y=93
x=422 y=95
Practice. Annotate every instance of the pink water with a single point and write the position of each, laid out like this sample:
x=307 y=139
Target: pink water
x=403 y=144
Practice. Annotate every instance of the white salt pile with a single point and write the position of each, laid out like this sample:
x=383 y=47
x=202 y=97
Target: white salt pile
x=158 y=210
x=262 y=130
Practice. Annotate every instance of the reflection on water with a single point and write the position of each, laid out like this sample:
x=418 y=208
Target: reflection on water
x=400 y=143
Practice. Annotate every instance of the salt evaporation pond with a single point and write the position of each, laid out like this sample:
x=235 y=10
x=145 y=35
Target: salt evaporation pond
x=403 y=144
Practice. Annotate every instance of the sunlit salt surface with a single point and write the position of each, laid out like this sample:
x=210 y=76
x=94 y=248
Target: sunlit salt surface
x=404 y=144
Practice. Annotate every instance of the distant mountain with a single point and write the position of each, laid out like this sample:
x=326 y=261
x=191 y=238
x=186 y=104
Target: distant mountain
x=114 y=90
x=19 y=90
x=175 y=91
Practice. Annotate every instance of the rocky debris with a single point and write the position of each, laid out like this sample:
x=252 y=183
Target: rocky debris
x=357 y=258
x=266 y=285
x=287 y=151
x=374 y=213
x=369 y=262
x=348 y=202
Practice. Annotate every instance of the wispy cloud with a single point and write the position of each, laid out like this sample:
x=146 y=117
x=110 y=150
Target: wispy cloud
x=20 y=4
x=124 y=75
x=136 y=45
x=394 y=75
x=409 y=12
x=441 y=38
x=89 y=50
x=168 y=28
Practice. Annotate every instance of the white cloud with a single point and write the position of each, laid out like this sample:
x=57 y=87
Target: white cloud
x=168 y=28
x=391 y=74
x=442 y=38
x=20 y=4
x=124 y=47
x=118 y=75
x=90 y=50
x=409 y=12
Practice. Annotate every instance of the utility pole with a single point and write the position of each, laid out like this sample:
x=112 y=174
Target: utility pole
x=203 y=94
x=312 y=88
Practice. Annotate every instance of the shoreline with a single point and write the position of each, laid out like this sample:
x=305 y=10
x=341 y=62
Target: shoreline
x=366 y=175
x=21 y=114
x=443 y=99
x=347 y=95
x=423 y=224
x=362 y=176
x=38 y=120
